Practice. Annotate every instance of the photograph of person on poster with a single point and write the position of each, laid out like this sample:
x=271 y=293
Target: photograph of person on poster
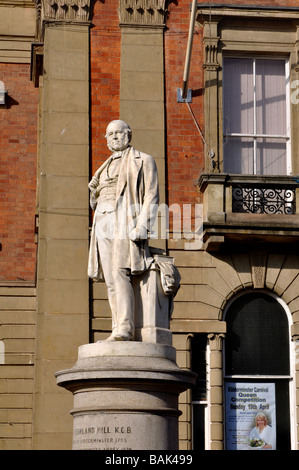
x=262 y=434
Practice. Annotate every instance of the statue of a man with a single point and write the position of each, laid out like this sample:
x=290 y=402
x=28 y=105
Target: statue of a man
x=124 y=195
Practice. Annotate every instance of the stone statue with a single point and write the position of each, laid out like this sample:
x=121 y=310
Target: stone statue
x=124 y=194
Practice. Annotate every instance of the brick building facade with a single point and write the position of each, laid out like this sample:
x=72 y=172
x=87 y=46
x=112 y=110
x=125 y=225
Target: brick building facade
x=67 y=69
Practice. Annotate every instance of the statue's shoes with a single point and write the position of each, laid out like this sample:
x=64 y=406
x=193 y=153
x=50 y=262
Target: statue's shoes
x=123 y=337
x=118 y=337
x=110 y=338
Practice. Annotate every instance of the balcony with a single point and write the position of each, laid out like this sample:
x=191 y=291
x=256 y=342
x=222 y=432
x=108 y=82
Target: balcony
x=249 y=209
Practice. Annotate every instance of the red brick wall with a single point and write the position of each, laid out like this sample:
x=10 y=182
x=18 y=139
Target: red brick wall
x=105 y=44
x=185 y=156
x=18 y=156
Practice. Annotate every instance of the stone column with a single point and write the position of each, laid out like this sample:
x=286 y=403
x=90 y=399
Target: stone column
x=62 y=283
x=295 y=340
x=216 y=391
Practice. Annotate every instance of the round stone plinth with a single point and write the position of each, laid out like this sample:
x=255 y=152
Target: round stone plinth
x=125 y=396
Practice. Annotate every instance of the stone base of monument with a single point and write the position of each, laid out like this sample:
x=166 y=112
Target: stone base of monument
x=125 y=396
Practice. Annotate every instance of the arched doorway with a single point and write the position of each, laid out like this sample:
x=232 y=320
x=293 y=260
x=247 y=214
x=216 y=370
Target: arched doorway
x=257 y=373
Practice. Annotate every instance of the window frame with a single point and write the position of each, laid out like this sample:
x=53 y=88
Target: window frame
x=204 y=403
x=231 y=30
x=292 y=357
x=255 y=136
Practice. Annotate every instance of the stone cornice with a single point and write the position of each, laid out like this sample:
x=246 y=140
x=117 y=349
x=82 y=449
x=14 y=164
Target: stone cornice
x=143 y=13
x=206 y=11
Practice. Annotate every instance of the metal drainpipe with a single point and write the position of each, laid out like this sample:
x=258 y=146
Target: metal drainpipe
x=189 y=50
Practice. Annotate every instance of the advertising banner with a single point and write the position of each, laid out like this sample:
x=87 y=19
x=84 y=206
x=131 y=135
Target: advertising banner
x=250 y=421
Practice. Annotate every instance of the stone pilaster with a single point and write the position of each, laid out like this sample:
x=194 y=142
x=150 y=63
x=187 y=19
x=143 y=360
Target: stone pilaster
x=142 y=25
x=211 y=67
x=216 y=391
x=63 y=239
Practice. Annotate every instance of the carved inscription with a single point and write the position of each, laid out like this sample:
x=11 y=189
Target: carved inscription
x=102 y=437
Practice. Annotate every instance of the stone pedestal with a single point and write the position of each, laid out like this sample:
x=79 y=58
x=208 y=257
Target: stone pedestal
x=125 y=396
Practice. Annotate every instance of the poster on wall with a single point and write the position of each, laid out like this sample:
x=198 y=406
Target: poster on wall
x=250 y=421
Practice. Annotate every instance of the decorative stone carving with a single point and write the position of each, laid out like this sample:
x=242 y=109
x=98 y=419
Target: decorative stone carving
x=143 y=12
x=61 y=10
x=211 y=55
x=67 y=9
x=211 y=41
x=215 y=341
x=258 y=269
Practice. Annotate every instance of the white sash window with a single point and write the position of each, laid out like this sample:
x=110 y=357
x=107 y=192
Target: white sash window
x=255 y=116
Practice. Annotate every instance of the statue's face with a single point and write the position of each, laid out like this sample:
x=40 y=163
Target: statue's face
x=117 y=136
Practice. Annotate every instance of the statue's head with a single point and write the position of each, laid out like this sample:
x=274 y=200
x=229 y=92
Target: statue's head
x=118 y=135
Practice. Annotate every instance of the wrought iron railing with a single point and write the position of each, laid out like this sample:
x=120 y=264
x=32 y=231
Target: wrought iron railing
x=263 y=199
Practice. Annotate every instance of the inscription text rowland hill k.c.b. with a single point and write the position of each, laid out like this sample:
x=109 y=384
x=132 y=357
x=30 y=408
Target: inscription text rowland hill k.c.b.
x=103 y=430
